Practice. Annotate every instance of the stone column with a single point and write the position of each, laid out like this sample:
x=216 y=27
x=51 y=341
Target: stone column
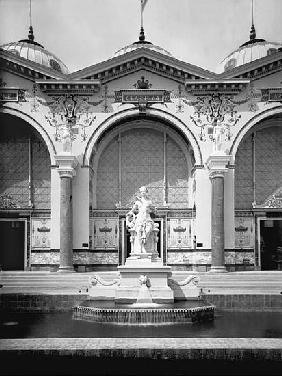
x=66 y=169
x=217 y=168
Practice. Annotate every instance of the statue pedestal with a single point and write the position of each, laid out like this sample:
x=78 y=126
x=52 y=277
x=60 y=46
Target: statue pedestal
x=144 y=264
x=143 y=259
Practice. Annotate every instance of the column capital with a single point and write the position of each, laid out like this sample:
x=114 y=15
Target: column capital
x=216 y=174
x=66 y=165
x=217 y=164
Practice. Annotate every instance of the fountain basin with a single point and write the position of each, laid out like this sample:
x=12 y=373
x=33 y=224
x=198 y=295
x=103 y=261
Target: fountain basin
x=140 y=313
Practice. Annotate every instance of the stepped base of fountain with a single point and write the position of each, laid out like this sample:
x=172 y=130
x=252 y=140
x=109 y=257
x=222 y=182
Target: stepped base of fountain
x=144 y=313
x=143 y=295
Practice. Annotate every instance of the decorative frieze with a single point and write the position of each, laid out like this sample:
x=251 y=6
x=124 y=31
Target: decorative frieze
x=201 y=257
x=244 y=232
x=40 y=233
x=239 y=258
x=11 y=94
x=180 y=233
x=272 y=94
x=99 y=258
x=174 y=257
x=105 y=233
x=47 y=258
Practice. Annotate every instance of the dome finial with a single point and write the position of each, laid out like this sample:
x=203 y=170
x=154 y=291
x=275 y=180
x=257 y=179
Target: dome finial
x=142 y=35
x=30 y=33
x=253 y=30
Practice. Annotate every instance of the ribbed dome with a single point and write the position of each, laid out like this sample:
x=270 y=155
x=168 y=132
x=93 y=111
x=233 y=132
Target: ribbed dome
x=248 y=52
x=252 y=50
x=142 y=43
x=136 y=45
x=33 y=51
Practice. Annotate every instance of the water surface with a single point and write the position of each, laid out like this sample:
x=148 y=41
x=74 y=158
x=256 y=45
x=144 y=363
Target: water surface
x=62 y=325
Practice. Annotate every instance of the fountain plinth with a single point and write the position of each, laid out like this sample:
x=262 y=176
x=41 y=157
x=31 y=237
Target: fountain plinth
x=128 y=289
x=144 y=291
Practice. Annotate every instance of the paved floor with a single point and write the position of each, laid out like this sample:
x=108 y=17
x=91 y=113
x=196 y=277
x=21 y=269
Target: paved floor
x=68 y=344
x=141 y=356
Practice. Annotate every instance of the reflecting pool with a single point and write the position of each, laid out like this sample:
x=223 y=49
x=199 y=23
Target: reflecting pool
x=62 y=325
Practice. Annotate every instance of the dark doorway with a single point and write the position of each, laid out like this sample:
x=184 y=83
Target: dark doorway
x=12 y=239
x=271 y=244
x=127 y=240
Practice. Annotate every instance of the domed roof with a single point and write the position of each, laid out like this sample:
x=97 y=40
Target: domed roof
x=33 y=51
x=251 y=50
x=141 y=43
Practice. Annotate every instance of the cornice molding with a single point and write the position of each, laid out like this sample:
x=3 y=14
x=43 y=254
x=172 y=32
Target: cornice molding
x=147 y=58
x=26 y=68
x=227 y=86
x=141 y=58
x=61 y=87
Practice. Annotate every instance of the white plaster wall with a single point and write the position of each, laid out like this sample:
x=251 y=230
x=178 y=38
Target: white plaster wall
x=229 y=217
x=203 y=208
x=55 y=209
x=80 y=197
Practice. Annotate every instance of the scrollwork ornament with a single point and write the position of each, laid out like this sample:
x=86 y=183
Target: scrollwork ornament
x=215 y=114
x=69 y=114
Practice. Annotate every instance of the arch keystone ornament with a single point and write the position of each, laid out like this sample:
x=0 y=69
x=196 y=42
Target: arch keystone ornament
x=66 y=169
x=216 y=164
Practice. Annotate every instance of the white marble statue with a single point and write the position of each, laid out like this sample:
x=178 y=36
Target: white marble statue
x=143 y=230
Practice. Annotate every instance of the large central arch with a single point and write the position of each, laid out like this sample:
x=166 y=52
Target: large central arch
x=142 y=152
x=154 y=114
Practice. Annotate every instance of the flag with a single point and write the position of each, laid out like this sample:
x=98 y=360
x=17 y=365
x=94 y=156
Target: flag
x=143 y=4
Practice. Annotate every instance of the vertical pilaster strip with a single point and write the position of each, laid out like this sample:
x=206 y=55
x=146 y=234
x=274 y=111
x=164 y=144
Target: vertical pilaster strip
x=30 y=196
x=119 y=169
x=165 y=170
x=254 y=166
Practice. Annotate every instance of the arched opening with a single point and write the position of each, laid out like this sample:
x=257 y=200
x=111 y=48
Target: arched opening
x=141 y=152
x=25 y=188
x=258 y=192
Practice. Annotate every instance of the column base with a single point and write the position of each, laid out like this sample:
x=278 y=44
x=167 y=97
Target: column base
x=218 y=269
x=66 y=269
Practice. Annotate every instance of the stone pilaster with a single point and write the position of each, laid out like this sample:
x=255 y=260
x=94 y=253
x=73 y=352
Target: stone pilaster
x=217 y=168
x=66 y=168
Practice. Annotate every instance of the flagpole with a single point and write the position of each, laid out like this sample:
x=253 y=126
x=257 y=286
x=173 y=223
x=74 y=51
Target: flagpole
x=141 y=13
